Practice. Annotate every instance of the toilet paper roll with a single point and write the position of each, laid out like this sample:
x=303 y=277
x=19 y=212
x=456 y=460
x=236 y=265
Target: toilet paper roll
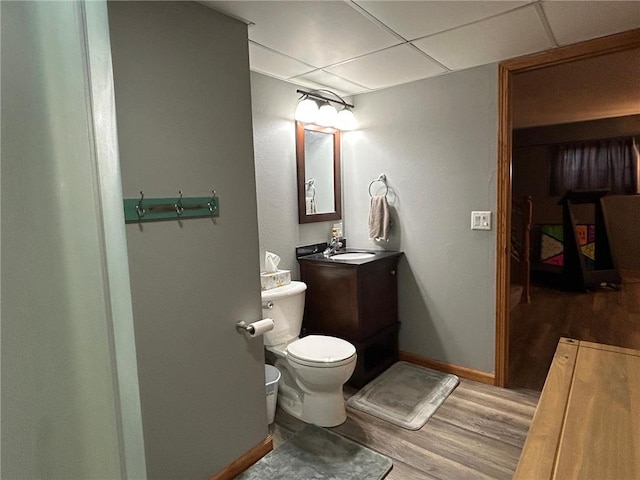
x=260 y=327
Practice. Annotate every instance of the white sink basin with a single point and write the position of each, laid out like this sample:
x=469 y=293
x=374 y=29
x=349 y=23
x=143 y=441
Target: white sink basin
x=352 y=256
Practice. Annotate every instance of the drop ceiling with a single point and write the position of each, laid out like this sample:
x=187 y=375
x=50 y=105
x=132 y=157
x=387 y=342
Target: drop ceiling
x=353 y=47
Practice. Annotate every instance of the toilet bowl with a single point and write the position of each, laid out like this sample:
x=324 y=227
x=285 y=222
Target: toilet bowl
x=314 y=368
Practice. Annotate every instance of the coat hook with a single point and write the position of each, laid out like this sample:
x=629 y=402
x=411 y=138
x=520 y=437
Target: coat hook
x=178 y=205
x=211 y=203
x=139 y=208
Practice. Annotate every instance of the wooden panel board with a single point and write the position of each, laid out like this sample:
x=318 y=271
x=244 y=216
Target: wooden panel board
x=539 y=452
x=601 y=438
x=587 y=424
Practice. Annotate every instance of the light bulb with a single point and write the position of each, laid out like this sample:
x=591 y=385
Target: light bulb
x=306 y=111
x=327 y=115
x=346 y=120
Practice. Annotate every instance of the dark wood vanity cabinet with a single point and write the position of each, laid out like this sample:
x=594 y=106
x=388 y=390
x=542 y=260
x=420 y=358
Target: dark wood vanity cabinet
x=356 y=301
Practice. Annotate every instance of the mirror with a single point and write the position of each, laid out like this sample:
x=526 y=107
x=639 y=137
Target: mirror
x=318 y=165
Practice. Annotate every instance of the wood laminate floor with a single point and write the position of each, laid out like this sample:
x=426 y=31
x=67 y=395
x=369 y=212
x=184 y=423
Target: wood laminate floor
x=478 y=433
x=603 y=316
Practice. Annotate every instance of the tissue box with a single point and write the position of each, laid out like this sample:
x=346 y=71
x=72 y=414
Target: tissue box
x=275 y=279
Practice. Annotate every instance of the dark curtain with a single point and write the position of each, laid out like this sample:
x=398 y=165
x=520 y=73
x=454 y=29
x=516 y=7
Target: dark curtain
x=605 y=164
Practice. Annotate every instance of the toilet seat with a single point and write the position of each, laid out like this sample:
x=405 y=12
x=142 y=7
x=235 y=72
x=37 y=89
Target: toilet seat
x=321 y=351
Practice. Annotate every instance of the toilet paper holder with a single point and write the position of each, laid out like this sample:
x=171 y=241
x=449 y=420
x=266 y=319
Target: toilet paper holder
x=256 y=328
x=244 y=327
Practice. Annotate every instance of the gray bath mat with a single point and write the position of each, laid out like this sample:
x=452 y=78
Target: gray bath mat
x=405 y=395
x=318 y=454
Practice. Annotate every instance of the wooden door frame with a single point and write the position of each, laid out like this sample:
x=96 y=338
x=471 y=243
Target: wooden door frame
x=506 y=70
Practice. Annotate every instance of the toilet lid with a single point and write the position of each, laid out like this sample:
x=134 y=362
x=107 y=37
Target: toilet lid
x=277 y=293
x=321 y=349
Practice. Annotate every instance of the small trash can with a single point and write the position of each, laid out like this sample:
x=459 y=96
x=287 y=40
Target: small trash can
x=271 y=378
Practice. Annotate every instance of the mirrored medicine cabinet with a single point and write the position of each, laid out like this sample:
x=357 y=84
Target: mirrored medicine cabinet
x=318 y=167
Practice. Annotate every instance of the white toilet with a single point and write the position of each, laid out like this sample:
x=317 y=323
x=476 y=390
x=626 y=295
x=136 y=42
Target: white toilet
x=314 y=368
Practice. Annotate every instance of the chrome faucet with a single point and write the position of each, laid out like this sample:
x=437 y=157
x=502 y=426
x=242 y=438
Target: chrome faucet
x=334 y=245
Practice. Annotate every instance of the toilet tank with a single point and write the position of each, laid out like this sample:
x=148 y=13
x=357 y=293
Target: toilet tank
x=286 y=313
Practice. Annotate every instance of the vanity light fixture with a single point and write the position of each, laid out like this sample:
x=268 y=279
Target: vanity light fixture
x=324 y=114
x=327 y=115
x=345 y=120
x=307 y=110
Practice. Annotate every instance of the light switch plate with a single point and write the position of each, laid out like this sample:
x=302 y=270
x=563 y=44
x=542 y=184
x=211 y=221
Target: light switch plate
x=480 y=220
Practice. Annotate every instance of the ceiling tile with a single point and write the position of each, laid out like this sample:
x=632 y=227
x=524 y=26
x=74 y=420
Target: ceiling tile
x=394 y=66
x=350 y=46
x=266 y=61
x=509 y=35
x=311 y=85
x=318 y=33
x=332 y=82
x=573 y=22
x=414 y=19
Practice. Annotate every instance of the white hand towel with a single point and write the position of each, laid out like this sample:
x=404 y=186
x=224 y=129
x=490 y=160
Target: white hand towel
x=310 y=206
x=379 y=218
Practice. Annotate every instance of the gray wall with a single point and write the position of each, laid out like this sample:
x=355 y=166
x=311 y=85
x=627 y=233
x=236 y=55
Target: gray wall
x=70 y=408
x=436 y=141
x=274 y=136
x=184 y=122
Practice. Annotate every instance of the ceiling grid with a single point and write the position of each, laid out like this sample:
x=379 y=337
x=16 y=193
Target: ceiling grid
x=356 y=46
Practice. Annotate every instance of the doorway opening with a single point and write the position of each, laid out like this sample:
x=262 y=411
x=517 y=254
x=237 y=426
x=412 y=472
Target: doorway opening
x=591 y=49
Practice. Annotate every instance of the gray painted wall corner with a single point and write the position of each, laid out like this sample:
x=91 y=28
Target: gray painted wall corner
x=436 y=140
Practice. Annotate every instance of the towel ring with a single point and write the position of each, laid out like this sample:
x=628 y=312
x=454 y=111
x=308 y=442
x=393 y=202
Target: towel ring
x=382 y=178
x=309 y=186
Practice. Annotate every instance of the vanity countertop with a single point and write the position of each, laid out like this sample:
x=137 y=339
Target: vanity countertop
x=377 y=255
